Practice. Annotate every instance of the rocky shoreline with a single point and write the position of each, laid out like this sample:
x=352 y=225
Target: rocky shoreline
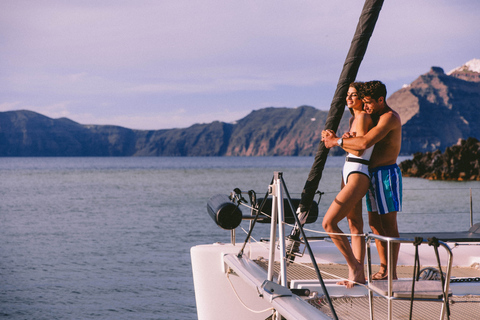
x=460 y=162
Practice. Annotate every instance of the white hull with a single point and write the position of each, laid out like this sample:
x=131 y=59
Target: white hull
x=234 y=294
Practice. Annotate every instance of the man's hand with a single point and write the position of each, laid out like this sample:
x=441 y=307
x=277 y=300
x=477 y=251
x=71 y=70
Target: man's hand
x=329 y=138
x=349 y=135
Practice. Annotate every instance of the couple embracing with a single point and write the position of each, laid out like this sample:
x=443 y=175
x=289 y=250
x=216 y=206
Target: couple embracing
x=373 y=144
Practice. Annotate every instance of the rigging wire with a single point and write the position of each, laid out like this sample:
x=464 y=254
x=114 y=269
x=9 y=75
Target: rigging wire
x=311 y=230
x=304 y=265
x=245 y=204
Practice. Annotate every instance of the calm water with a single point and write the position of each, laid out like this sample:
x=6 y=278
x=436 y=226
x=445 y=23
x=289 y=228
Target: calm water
x=109 y=238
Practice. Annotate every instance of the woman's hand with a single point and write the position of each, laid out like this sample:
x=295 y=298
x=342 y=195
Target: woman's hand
x=329 y=138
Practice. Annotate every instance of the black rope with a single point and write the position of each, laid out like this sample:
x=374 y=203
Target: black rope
x=252 y=195
x=320 y=194
x=416 y=272
x=434 y=242
x=239 y=196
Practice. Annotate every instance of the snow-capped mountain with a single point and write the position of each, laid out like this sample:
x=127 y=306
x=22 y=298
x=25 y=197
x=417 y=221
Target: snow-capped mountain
x=438 y=109
x=470 y=71
x=472 y=65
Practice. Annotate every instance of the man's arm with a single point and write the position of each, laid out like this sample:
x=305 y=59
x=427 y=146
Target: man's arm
x=386 y=123
x=354 y=152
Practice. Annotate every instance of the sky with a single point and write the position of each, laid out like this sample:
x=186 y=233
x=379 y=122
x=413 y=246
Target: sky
x=161 y=64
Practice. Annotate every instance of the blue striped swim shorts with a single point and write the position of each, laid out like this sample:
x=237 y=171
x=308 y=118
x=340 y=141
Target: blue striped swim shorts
x=385 y=192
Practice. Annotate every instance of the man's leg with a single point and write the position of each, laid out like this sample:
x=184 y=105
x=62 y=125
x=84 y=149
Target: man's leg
x=389 y=223
x=385 y=225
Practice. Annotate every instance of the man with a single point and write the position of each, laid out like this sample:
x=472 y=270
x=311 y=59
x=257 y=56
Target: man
x=384 y=199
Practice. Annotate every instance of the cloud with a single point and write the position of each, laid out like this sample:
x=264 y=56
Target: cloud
x=7 y=106
x=166 y=39
x=224 y=84
x=103 y=58
x=178 y=118
x=57 y=110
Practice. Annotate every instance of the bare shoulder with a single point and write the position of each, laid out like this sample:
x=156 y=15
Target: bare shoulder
x=364 y=117
x=391 y=117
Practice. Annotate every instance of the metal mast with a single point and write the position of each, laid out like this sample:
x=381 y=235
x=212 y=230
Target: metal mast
x=358 y=47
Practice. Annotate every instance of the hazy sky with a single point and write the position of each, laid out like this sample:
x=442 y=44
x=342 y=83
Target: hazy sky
x=172 y=63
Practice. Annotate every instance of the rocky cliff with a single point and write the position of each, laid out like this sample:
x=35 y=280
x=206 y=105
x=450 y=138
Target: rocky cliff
x=26 y=133
x=459 y=162
x=265 y=132
x=437 y=110
x=280 y=132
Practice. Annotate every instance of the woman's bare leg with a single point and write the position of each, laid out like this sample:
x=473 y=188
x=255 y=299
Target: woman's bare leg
x=343 y=204
x=355 y=222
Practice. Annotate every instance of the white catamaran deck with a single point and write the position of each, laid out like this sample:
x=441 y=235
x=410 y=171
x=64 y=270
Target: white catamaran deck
x=259 y=280
x=357 y=306
x=238 y=283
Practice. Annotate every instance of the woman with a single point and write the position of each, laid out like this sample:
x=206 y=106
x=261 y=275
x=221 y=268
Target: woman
x=355 y=184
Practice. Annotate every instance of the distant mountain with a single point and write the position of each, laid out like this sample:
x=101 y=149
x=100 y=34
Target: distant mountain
x=280 y=132
x=265 y=132
x=27 y=133
x=437 y=110
x=470 y=71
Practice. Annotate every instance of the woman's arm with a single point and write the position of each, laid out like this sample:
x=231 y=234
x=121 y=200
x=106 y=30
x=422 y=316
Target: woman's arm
x=362 y=124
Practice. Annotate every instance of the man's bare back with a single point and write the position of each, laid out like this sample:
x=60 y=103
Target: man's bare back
x=387 y=149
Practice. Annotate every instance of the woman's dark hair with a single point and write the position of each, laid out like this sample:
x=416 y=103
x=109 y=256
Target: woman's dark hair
x=359 y=87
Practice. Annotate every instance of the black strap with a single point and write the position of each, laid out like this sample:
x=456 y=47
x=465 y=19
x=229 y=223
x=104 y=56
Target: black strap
x=358 y=160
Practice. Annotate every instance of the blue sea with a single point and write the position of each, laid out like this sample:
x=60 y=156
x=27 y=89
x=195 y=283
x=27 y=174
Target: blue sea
x=110 y=238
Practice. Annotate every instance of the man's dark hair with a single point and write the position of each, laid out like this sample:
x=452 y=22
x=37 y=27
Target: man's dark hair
x=374 y=89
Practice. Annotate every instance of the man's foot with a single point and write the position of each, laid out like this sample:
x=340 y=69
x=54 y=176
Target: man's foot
x=382 y=276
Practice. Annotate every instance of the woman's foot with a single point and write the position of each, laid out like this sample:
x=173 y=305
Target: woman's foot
x=355 y=276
